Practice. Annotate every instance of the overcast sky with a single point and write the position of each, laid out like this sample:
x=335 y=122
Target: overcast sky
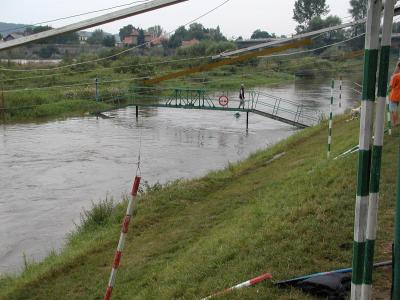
x=236 y=18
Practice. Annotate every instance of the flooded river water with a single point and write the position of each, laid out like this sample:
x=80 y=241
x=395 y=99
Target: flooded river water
x=50 y=171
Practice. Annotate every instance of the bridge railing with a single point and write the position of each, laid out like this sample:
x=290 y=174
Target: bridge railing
x=254 y=100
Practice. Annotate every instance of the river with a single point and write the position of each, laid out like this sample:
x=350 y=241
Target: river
x=51 y=171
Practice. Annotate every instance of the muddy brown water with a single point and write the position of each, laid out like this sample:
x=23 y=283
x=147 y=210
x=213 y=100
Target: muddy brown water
x=51 y=171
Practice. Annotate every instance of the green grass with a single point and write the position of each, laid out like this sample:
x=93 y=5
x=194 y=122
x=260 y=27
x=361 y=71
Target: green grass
x=290 y=216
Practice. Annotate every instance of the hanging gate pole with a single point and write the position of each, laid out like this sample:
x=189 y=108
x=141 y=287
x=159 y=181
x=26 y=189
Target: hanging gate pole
x=340 y=91
x=330 y=120
x=377 y=150
x=121 y=243
x=364 y=156
x=388 y=117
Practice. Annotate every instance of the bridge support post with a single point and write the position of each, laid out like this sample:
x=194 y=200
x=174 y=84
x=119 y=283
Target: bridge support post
x=137 y=111
x=97 y=88
x=247 y=120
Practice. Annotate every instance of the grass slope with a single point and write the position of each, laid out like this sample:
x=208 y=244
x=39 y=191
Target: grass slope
x=289 y=216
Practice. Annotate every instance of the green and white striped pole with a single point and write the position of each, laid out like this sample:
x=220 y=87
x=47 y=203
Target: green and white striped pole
x=330 y=120
x=364 y=154
x=340 y=91
x=380 y=106
x=388 y=117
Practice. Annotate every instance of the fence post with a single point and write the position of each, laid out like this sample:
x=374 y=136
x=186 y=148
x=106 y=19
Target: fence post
x=372 y=216
x=340 y=91
x=330 y=120
x=97 y=88
x=364 y=154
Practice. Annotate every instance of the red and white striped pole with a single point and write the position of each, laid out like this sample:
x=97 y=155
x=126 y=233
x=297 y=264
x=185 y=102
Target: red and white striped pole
x=247 y=283
x=121 y=243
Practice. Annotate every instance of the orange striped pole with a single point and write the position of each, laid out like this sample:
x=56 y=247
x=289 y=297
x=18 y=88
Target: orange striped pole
x=121 y=243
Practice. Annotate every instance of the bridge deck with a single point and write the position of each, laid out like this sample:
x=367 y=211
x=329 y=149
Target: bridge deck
x=234 y=109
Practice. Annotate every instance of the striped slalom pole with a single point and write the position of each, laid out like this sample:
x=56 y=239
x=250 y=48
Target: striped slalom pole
x=247 y=283
x=340 y=91
x=388 y=117
x=330 y=120
x=372 y=216
x=121 y=243
x=364 y=153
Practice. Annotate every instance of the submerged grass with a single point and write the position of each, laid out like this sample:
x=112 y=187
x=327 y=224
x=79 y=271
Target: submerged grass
x=289 y=216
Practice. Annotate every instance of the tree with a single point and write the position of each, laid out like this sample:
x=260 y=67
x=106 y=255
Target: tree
x=327 y=38
x=140 y=38
x=126 y=30
x=358 y=9
x=47 y=51
x=97 y=37
x=197 y=31
x=109 y=41
x=305 y=10
x=258 y=34
x=67 y=38
x=176 y=39
x=216 y=35
x=155 y=30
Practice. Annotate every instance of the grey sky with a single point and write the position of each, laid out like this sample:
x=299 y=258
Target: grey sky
x=236 y=18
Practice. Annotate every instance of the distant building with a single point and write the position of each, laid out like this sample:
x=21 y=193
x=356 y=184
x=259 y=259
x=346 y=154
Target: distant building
x=132 y=38
x=12 y=36
x=190 y=43
x=83 y=36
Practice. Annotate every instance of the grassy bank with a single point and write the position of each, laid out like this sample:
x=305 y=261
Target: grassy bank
x=289 y=216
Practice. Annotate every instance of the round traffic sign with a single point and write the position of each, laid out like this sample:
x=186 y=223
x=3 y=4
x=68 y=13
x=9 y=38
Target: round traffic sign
x=223 y=100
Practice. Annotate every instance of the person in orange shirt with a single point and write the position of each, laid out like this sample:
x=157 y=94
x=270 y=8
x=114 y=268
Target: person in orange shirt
x=394 y=95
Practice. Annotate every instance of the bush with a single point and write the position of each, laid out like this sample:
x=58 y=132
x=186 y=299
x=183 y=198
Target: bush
x=98 y=215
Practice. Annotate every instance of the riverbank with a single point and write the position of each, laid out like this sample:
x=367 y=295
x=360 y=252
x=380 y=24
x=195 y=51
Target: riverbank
x=285 y=210
x=43 y=95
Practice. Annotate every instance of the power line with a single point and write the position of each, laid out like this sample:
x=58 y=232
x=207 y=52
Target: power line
x=122 y=52
x=271 y=56
x=73 y=16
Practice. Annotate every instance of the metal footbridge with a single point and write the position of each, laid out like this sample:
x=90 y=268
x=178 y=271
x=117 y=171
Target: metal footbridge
x=257 y=102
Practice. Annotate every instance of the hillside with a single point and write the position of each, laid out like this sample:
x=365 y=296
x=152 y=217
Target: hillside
x=289 y=216
x=6 y=28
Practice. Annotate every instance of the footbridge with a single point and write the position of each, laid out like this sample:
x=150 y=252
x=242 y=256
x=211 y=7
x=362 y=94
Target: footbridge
x=257 y=102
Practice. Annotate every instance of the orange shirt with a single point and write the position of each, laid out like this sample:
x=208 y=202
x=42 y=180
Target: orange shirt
x=395 y=88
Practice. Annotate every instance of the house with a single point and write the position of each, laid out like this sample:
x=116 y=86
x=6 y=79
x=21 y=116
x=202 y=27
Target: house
x=190 y=43
x=132 y=38
x=12 y=36
x=83 y=36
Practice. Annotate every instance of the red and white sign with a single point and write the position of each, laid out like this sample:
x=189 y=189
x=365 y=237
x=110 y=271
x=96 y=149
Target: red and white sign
x=223 y=100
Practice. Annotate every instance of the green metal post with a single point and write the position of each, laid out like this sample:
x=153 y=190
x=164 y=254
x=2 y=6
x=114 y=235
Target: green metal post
x=372 y=219
x=364 y=156
x=330 y=120
x=396 y=245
